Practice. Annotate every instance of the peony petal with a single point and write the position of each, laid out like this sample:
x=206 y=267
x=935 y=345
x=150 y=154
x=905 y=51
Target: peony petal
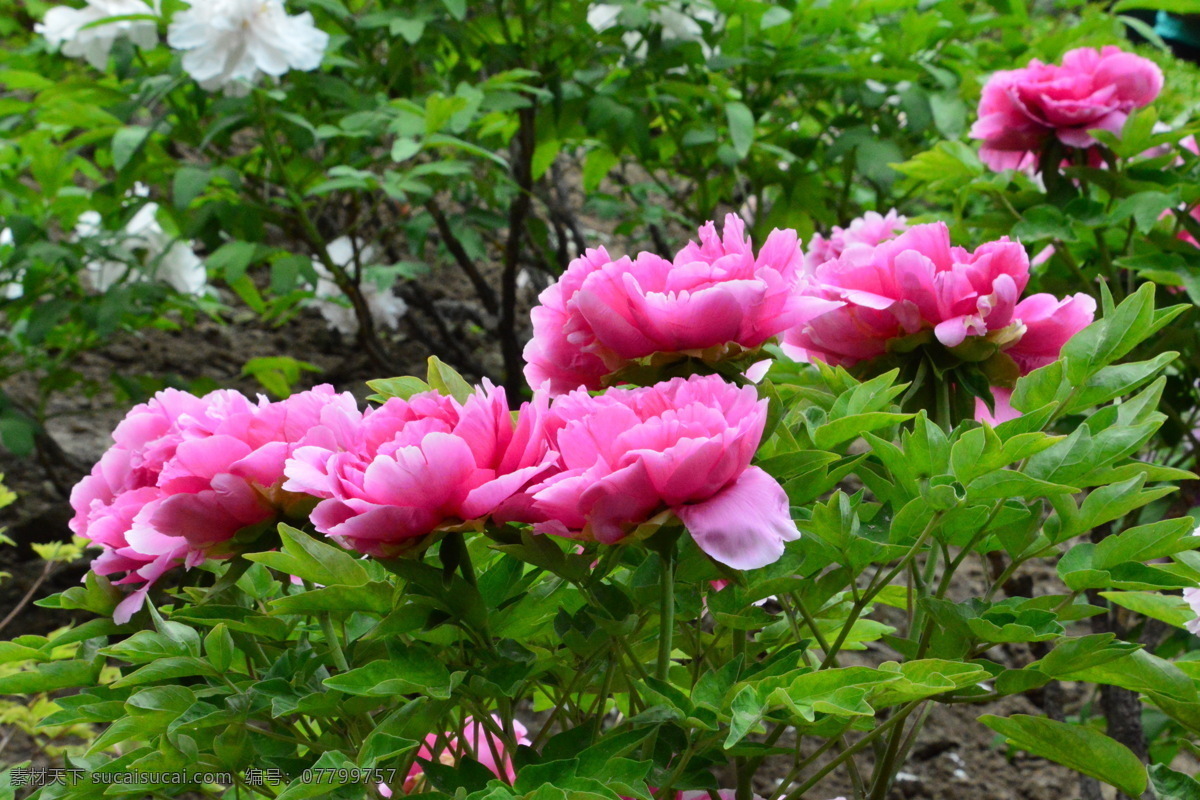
x=744 y=526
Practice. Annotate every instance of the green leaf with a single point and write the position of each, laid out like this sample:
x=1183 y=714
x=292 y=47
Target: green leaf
x=1115 y=501
x=1171 y=609
x=1078 y=571
x=146 y=646
x=745 y=711
x=1145 y=542
x=924 y=678
x=219 y=647
x=1172 y=785
x=404 y=388
x=168 y=669
x=845 y=429
x=1003 y=484
x=404 y=148
x=232 y=259
x=311 y=560
x=52 y=676
x=125 y=143
x=329 y=767
x=189 y=183
x=1118 y=381
x=1075 y=653
x=457 y=8
x=948 y=164
x=741 y=128
x=1106 y=340
x=414 y=670
x=444 y=379
x=1041 y=387
x=1145 y=208
x=1082 y=749
x=841 y=691
x=277 y=374
x=408 y=29
x=1140 y=672
x=596 y=166
x=374 y=597
x=11 y=651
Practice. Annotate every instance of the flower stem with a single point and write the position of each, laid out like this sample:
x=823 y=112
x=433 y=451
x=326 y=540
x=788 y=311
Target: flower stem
x=666 y=611
x=943 y=406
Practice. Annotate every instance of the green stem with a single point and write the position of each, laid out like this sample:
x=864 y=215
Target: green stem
x=666 y=612
x=332 y=642
x=875 y=587
x=846 y=754
x=943 y=406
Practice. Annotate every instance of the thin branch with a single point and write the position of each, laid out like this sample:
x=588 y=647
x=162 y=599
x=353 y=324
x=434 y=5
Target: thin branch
x=487 y=295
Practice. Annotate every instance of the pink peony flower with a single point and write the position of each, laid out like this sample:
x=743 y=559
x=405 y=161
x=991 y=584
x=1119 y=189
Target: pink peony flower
x=391 y=475
x=603 y=313
x=184 y=475
x=1003 y=410
x=1048 y=324
x=1188 y=143
x=1021 y=110
x=869 y=230
x=918 y=282
x=683 y=445
x=480 y=744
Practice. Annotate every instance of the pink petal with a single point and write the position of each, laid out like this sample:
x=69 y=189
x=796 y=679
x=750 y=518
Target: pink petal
x=744 y=526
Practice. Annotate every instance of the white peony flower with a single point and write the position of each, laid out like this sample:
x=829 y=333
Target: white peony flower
x=385 y=307
x=143 y=241
x=680 y=20
x=12 y=290
x=1192 y=596
x=67 y=28
x=168 y=259
x=230 y=43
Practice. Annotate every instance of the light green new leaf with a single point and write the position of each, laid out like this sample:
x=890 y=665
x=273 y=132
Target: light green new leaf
x=924 y=678
x=404 y=388
x=446 y=380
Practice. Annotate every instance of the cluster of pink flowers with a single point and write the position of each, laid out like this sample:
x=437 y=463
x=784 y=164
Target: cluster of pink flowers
x=919 y=282
x=389 y=476
x=866 y=232
x=604 y=313
x=1023 y=110
x=685 y=445
x=186 y=474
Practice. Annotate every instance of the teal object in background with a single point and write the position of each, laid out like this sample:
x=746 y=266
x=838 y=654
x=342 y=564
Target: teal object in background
x=1185 y=30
